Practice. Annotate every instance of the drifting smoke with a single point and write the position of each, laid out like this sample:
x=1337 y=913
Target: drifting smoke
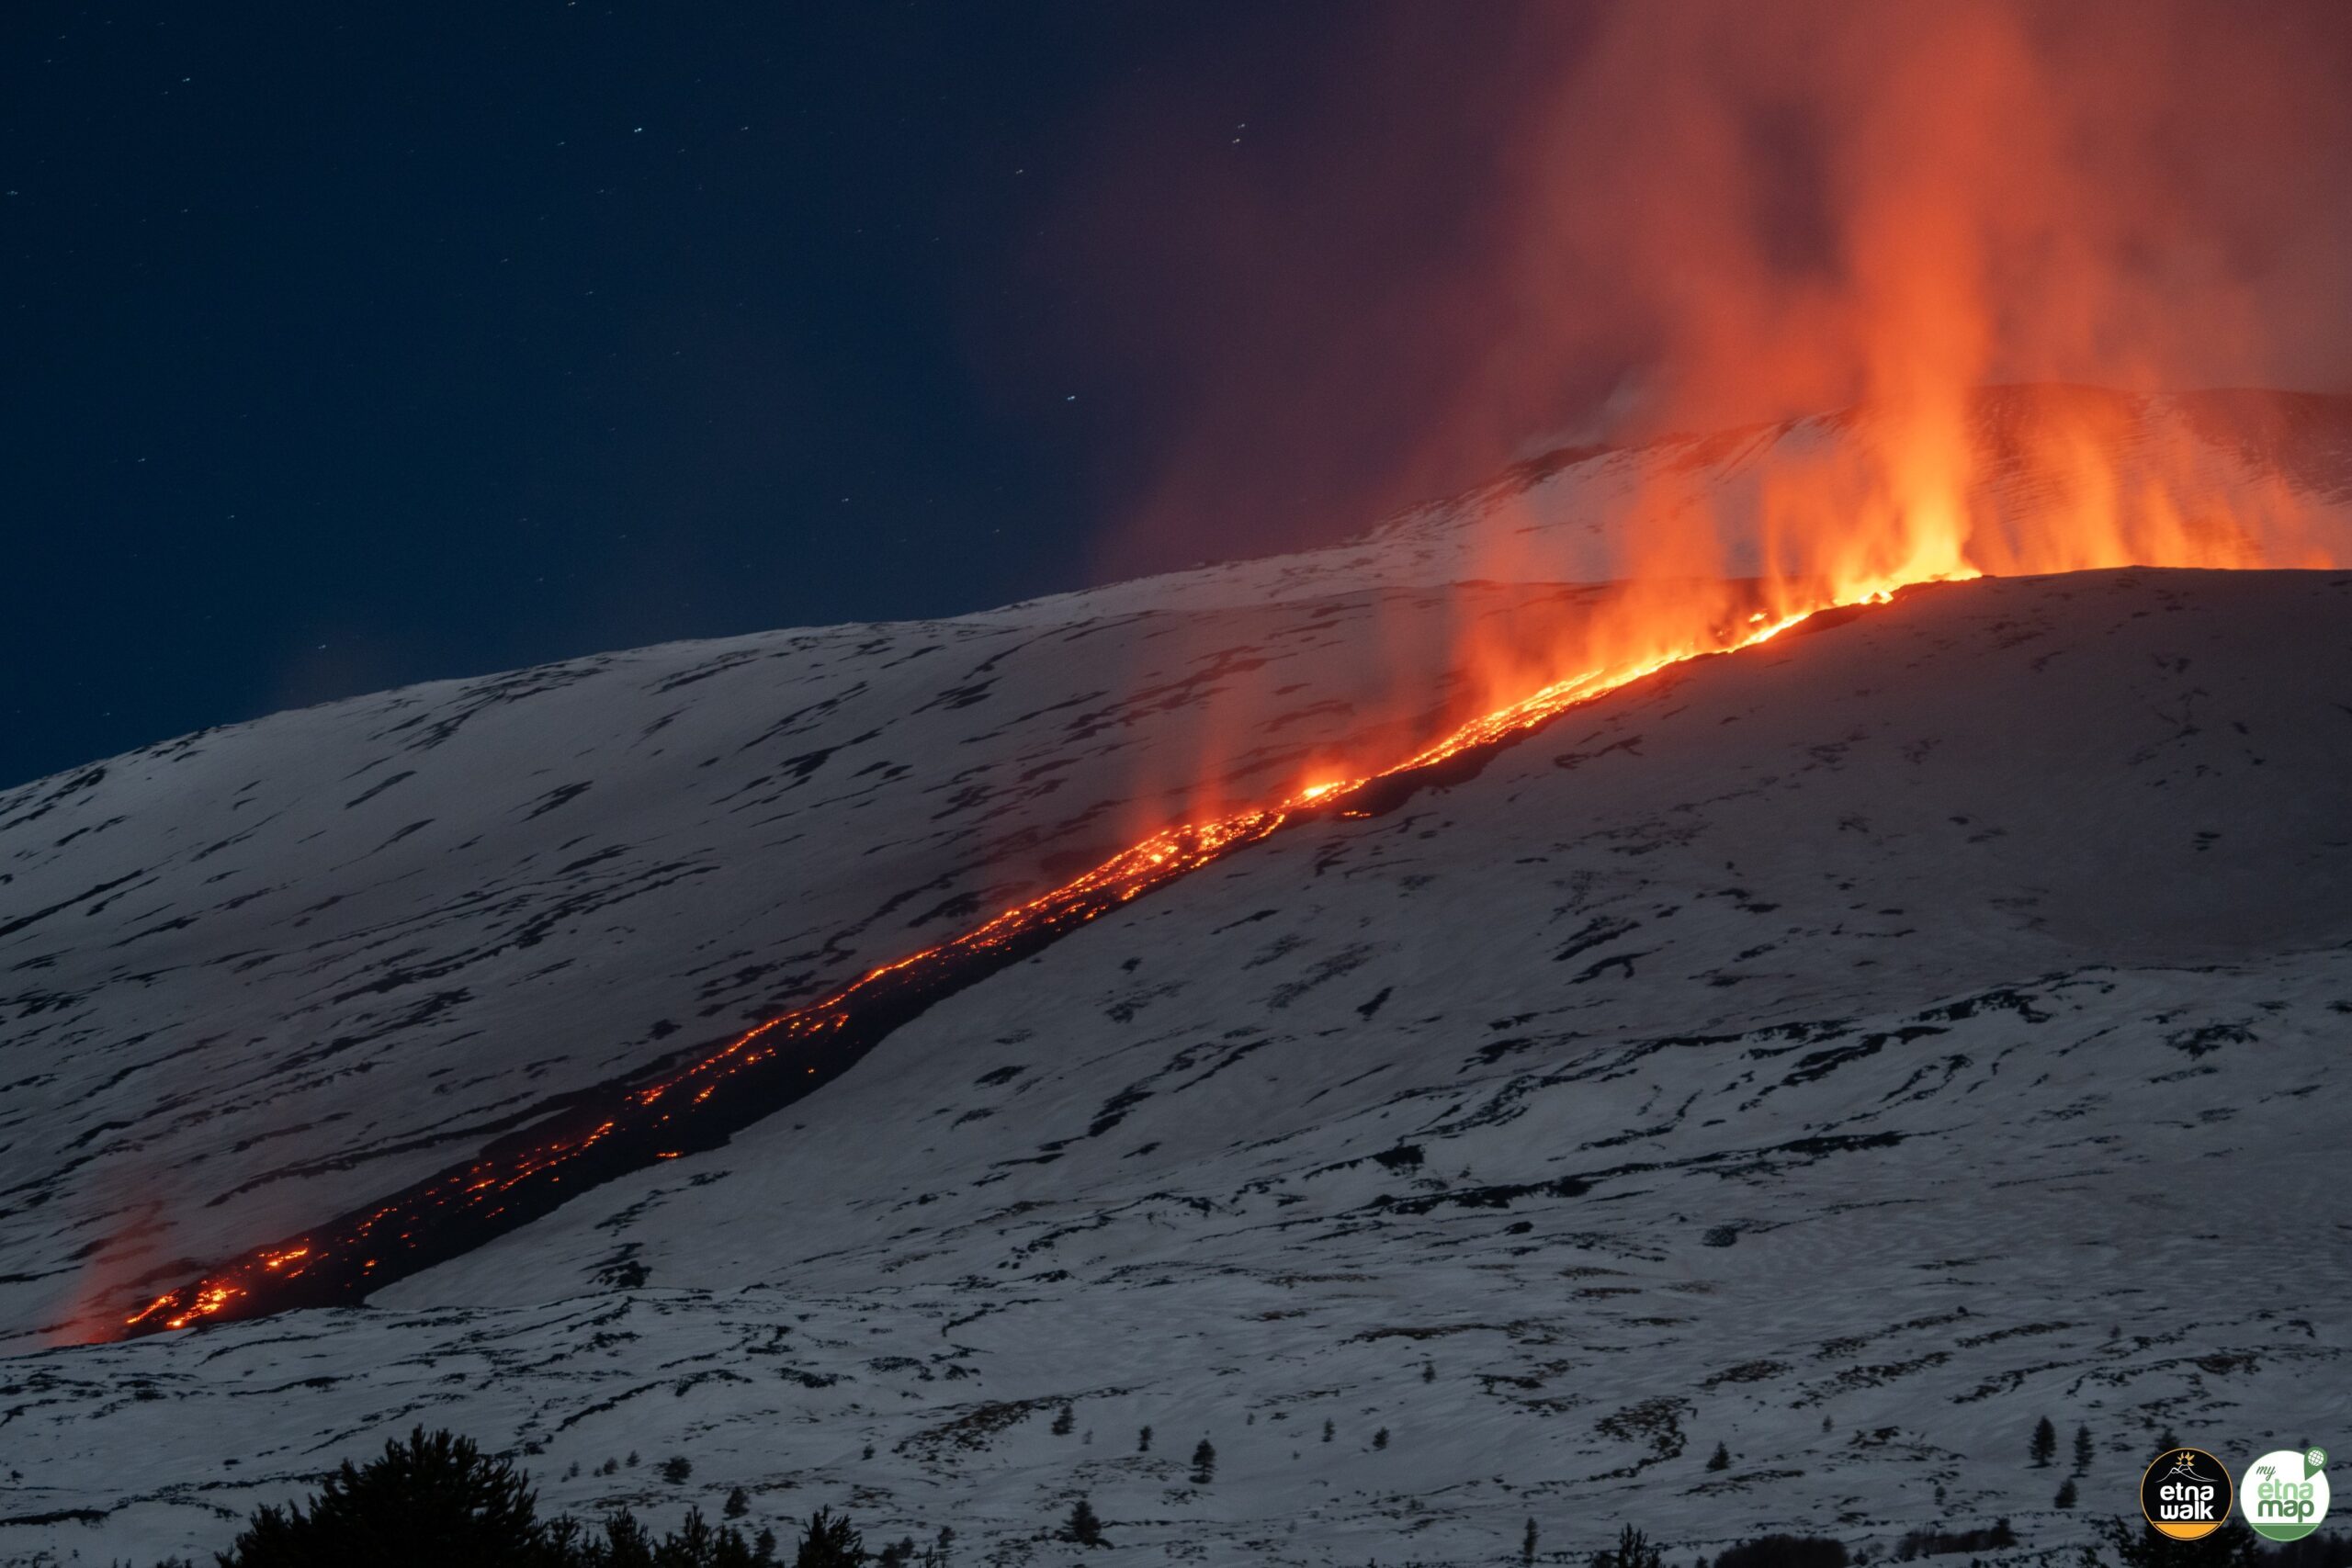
x=1502 y=224
x=1744 y=213
x=1518 y=227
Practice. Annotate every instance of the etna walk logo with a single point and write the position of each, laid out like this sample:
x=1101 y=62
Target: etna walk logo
x=2286 y=1493
x=2185 y=1493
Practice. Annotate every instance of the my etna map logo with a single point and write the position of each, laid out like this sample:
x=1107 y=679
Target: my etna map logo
x=2185 y=1493
x=2286 y=1493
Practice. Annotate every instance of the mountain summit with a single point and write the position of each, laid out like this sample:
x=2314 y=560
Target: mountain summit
x=1849 y=1050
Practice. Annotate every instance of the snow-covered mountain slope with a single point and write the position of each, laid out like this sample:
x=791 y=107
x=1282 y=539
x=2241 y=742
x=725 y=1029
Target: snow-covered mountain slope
x=1567 y=516
x=257 y=976
x=1849 y=1050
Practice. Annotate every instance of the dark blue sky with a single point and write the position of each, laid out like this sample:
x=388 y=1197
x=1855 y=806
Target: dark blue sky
x=358 y=344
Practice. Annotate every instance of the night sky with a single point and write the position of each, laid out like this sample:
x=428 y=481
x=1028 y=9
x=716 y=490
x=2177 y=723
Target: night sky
x=356 y=345
x=353 y=346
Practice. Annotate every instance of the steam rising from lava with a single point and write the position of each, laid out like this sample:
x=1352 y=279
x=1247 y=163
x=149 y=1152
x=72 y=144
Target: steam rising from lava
x=1612 y=222
x=627 y=1127
x=1768 y=210
x=1625 y=220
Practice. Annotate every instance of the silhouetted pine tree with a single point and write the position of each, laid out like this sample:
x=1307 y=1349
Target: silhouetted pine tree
x=436 y=1496
x=2084 y=1452
x=830 y=1544
x=1720 y=1459
x=437 y=1499
x=1785 y=1552
x=1633 y=1551
x=1082 y=1526
x=1203 y=1465
x=2044 y=1447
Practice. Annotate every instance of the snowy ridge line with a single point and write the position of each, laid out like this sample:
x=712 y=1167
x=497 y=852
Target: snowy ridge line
x=2046 y=878
x=520 y=1180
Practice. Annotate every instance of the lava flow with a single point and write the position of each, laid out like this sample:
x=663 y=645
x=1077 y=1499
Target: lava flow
x=519 y=1179
x=1899 y=509
x=1787 y=209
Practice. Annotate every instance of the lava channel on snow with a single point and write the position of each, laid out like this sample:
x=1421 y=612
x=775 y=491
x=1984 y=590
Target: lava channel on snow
x=620 y=1127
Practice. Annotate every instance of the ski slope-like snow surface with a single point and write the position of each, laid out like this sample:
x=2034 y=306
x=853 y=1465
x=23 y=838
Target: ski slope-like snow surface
x=1849 y=1050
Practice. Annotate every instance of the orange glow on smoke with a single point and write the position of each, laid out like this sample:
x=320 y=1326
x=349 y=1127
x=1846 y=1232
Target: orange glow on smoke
x=1910 y=522
x=1896 y=509
x=1158 y=859
x=1988 y=212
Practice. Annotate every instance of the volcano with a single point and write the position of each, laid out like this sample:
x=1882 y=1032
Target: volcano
x=1849 y=1045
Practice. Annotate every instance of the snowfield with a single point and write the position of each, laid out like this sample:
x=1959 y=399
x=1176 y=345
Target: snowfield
x=1848 y=1051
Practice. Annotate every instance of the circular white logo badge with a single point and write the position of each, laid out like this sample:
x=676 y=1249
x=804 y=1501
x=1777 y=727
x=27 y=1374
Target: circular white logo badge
x=2284 y=1495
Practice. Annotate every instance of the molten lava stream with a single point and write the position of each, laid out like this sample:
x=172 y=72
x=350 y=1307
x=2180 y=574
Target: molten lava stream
x=518 y=1179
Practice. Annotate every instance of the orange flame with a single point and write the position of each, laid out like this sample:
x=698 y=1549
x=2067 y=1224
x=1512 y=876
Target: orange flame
x=1739 y=213
x=1922 y=535
x=1157 y=860
x=1985 y=211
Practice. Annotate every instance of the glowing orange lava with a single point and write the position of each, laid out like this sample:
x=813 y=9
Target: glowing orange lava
x=1905 y=523
x=2001 y=194
x=487 y=1184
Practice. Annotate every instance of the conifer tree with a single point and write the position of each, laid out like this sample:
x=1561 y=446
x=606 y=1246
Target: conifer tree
x=2045 y=1442
x=830 y=1544
x=1634 y=1550
x=2084 y=1452
x=435 y=1499
x=1203 y=1465
x=1720 y=1459
x=1084 y=1527
x=435 y=1488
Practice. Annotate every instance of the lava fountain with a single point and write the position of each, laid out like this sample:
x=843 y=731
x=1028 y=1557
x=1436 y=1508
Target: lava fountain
x=1936 y=256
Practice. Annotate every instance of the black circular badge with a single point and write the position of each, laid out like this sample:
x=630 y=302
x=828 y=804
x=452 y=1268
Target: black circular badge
x=2185 y=1493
